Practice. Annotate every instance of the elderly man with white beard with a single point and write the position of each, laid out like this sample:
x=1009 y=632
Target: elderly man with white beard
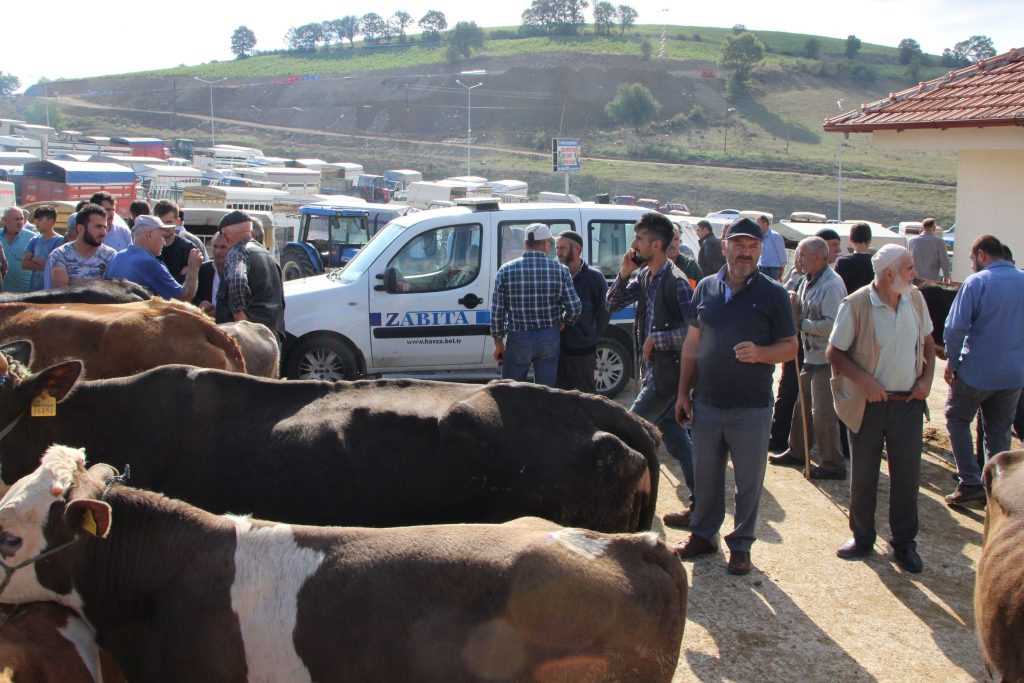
x=883 y=359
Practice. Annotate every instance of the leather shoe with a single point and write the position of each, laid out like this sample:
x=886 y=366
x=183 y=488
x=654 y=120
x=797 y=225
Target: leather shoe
x=851 y=550
x=967 y=497
x=677 y=520
x=787 y=459
x=694 y=546
x=837 y=473
x=908 y=559
x=739 y=563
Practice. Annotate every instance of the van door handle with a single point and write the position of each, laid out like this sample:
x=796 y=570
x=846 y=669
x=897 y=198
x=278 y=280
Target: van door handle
x=471 y=300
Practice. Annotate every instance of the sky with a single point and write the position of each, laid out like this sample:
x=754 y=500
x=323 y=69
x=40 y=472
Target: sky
x=119 y=36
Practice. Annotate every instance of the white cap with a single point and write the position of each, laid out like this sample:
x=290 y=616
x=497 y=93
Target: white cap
x=145 y=223
x=538 y=232
x=885 y=257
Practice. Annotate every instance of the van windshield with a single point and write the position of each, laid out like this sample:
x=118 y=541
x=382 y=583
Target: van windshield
x=361 y=262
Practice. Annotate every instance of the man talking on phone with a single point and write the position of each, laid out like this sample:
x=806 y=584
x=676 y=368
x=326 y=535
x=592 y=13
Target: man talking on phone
x=661 y=293
x=742 y=326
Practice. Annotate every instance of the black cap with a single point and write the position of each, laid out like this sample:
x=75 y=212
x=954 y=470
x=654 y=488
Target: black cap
x=744 y=227
x=572 y=236
x=234 y=218
x=827 y=234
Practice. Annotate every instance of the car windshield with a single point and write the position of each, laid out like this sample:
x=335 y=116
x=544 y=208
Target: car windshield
x=368 y=254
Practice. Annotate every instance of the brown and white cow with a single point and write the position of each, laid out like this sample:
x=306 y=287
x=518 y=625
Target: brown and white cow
x=258 y=346
x=116 y=340
x=43 y=642
x=178 y=594
x=999 y=585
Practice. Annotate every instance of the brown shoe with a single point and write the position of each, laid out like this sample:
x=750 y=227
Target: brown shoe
x=739 y=563
x=677 y=520
x=694 y=546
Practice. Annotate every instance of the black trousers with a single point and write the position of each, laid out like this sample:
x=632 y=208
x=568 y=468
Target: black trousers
x=898 y=426
x=785 y=403
x=576 y=372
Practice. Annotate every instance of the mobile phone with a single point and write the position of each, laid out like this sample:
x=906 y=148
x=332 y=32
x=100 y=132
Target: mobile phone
x=635 y=259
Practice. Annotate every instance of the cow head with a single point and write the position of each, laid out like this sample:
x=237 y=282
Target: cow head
x=19 y=388
x=1004 y=483
x=42 y=517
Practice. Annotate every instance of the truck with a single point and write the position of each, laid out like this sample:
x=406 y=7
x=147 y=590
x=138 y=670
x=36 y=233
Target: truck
x=373 y=188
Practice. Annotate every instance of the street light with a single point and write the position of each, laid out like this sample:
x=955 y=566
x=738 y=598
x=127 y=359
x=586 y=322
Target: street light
x=213 y=139
x=469 y=109
x=839 y=164
x=725 y=140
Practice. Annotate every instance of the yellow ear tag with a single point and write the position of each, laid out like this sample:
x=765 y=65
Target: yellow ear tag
x=44 y=405
x=89 y=523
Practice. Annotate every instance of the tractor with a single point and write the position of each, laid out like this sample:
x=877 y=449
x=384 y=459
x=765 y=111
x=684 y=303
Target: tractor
x=328 y=238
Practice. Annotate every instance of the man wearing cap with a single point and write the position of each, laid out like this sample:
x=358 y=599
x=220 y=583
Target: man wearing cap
x=743 y=326
x=252 y=288
x=534 y=299
x=883 y=358
x=577 y=357
x=773 y=250
x=661 y=293
x=710 y=259
x=139 y=263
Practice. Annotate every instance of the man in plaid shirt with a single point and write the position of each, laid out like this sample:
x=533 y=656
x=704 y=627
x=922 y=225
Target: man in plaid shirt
x=534 y=298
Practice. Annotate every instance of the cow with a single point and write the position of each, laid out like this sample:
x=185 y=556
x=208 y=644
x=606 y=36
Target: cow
x=258 y=345
x=998 y=598
x=122 y=339
x=367 y=453
x=179 y=594
x=43 y=642
x=91 y=292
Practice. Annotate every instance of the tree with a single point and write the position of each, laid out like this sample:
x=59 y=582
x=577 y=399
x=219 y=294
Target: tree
x=740 y=54
x=604 y=17
x=954 y=60
x=974 y=49
x=305 y=37
x=37 y=113
x=913 y=71
x=8 y=84
x=374 y=26
x=465 y=36
x=433 y=23
x=348 y=27
x=572 y=14
x=627 y=17
x=401 y=20
x=243 y=41
x=852 y=46
x=541 y=16
x=332 y=31
x=909 y=49
x=812 y=48
x=634 y=105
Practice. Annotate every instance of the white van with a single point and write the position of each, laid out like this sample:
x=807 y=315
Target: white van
x=415 y=301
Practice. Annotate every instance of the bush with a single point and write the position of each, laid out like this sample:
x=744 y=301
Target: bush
x=697 y=38
x=503 y=34
x=646 y=49
x=863 y=74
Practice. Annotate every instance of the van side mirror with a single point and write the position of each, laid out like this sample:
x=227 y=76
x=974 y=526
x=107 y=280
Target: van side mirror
x=390 y=278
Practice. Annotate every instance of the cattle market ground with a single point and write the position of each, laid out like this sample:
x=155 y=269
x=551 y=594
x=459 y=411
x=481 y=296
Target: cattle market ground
x=804 y=614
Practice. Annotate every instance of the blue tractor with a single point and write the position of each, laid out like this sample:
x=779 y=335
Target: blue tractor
x=328 y=238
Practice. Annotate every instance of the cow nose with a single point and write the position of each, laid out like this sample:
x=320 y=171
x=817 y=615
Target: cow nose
x=9 y=544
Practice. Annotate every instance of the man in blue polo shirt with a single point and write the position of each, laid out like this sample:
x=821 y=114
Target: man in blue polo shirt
x=742 y=327
x=139 y=264
x=773 y=258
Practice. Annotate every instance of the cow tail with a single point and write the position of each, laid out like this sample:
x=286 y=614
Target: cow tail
x=227 y=343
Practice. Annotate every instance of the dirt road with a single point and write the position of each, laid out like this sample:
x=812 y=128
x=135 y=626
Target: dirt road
x=804 y=614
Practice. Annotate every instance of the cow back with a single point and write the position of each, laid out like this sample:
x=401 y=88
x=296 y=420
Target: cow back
x=91 y=292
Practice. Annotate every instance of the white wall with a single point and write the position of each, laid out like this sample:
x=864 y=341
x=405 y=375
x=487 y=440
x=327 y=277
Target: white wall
x=989 y=199
x=951 y=139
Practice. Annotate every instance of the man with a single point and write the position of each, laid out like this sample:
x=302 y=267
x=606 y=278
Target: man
x=72 y=232
x=577 y=356
x=773 y=250
x=742 y=328
x=38 y=251
x=855 y=268
x=176 y=249
x=883 y=357
x=119 y=237
x=788 y=391
x=831 y=238
x=252 y=288
x=662 y=296
x=985 y=366
x=257 y=233
x=710 y=259
x=929 y=251
x=139 y=264
x=681 y=260
x=87 y=257
x=817 y=304
x=140 y=207
x=211 y=274
x=15 y=241
x=534 y=299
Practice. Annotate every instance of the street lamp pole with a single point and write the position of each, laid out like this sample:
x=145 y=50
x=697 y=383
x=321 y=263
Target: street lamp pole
x=213 y=139
x=725 y=140
x=469 y=110
x=839 y=164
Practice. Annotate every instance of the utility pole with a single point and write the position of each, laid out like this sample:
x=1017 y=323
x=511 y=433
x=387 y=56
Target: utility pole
x=213 y=139
x=725 y=139
x=839 y=164
x=469 y=111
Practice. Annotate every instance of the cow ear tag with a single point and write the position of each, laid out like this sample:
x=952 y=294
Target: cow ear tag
x=44 y=405
x=95 y=519
x=89 y=523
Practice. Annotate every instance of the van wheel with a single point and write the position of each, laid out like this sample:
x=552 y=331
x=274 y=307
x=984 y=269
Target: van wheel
x=322 y=357
x=295 y=263
x=611 y=369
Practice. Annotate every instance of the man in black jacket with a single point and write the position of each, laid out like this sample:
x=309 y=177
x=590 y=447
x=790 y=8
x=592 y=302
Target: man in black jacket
x=577 y=358
x=710 y=259
x=252 y=288
x=211 y=275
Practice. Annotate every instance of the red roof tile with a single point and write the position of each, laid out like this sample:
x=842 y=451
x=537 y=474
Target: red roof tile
x=989 y=93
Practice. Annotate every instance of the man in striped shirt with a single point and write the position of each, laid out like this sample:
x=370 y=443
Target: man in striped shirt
x=534 y=299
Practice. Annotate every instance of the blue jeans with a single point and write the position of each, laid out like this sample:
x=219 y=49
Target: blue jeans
x=538 y=348
x=662 y=413
x=998 y=408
